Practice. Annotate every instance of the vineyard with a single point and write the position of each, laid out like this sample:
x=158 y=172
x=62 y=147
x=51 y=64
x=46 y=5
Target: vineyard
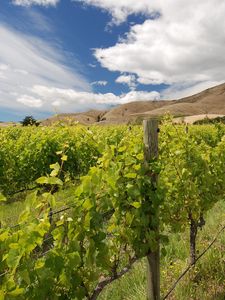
x=94 y=202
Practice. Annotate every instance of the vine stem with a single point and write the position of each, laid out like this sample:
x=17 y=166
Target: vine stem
x=116 y=275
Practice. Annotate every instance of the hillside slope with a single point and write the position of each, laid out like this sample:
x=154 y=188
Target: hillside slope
x=89 y=117
x=210 y=101
x=125 y=113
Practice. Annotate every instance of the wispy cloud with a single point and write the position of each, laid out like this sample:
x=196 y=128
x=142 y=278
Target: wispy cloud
x=25 y=61
x=100 y=82
x=36 y=2
x=38 y=21
x=92 y=65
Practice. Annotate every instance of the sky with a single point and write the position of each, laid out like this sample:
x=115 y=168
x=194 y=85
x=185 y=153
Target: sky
x=60 y=56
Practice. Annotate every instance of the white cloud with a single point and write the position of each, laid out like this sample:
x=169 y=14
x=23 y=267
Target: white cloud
x=67 y=100
x=185 y=90
x=183 y=45
x=37 y=21
x=3 y=67
x=30 y=101
x=138 y=96
x=100 y=82
x=121 y=9
x=21 y=71
x=26 y=61
x=36 y=2
x=36 y=80
x=92 y=65
x=129 y=80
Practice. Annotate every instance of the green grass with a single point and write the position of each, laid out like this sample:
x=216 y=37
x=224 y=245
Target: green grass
x=10 y=212
x=205 y=282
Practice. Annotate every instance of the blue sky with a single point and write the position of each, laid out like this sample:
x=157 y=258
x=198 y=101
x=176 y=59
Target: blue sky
x=73 y=55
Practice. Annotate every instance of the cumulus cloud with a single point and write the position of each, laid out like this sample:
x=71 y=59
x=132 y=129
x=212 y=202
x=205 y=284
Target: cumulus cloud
x=30 y=101
x=67 y=100
x=129 y=80
x=180 y=47
x=35 y=2
x=138 y=96
x=100 y=82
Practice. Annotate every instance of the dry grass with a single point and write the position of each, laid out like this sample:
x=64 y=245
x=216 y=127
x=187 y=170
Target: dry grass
x=192 y=119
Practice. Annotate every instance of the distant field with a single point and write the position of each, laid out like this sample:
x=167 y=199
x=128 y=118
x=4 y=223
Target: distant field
x=192 y=119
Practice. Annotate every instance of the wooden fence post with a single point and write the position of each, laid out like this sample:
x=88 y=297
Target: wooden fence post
x=153 y=258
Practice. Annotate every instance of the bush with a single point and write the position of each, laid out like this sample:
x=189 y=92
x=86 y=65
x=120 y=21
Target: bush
x=29 y=120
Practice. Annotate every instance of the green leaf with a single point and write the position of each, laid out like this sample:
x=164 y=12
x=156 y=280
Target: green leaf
x=56 y=169
x=25 y=276
x=64 y=158
x=55 y=166
x=2 y=294
x=24 y=216
x=87 y=220
x=39 y=264
x=13 y=258
x=51 y=200
x=16 y=292
x=74 y=259
x=136 y=204
x=122 y=149
x=87 y=204
x=54 y=173
x=131 y=175
x=137 y=167
x=54 y=180
x=111 y=228
x=49 y=180
x=140 y=156
x=129 y=218
x=4 y=236
x=2 y=198
x=42 y=180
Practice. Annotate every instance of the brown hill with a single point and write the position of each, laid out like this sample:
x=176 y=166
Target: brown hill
x=210 y=101
x=126 y=112
x=86 y=118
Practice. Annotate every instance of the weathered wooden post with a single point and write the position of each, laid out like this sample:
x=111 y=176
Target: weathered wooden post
x=153 y=257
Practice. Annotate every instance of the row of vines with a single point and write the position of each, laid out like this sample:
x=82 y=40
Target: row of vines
x=74 y=251
x=26 y=153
